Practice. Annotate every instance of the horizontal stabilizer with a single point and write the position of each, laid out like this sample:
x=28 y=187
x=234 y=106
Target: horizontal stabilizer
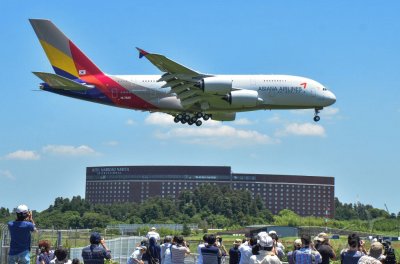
x=58 y=82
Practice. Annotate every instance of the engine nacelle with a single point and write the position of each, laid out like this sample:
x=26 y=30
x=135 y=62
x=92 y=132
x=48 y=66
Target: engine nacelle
x=216 y=85
x=243 y=98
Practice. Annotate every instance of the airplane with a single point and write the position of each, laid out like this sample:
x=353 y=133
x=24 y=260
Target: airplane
x=189 y=96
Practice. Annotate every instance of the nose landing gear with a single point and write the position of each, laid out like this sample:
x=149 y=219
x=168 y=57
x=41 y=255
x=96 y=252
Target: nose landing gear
x=316 y=116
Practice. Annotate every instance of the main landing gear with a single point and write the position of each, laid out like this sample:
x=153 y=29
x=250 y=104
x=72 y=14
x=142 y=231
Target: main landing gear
x=191 y=119
x=316 y=116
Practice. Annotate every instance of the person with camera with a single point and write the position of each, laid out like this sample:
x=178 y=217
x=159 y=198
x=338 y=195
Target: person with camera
x=390 y=256
x=264 y=251
x=307 y=254
x=355 y=250
x=210 y=252
x=20 y=232
x=179 y=250
x=97 y=251
x=325 y=248
x=374 y=256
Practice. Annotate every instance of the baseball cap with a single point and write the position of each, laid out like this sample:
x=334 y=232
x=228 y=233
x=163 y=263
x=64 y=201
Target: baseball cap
x=297 y=242
x=376 y=250
x=272 y=232
x=22 y=209
x=324 y=236
x=265 y=240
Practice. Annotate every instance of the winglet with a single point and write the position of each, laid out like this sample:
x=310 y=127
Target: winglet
x=141 y=52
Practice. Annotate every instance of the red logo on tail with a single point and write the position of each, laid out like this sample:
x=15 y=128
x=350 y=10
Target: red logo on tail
x=304 y=85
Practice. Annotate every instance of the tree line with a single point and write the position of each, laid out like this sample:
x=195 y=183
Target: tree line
x=210 y=206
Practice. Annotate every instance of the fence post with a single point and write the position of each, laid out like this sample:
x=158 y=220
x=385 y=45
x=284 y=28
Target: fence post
x=59 y=238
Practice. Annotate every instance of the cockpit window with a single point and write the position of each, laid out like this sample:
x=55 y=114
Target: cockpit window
x=324 y=89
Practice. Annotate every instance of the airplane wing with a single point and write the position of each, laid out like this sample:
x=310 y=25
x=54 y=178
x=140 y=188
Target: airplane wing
x=184 y=82
x=59 y=82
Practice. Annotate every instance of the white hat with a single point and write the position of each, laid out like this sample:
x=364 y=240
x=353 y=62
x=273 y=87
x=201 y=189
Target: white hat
x=22 y=209
x=265 y=240
x=153 y=228
x=272 y=232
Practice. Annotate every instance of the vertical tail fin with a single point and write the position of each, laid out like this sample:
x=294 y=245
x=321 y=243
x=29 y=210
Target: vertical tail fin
x=66 y=58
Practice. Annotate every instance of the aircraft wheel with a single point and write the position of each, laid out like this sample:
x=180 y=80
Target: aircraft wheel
x=190 y=123
x=193 y=119
x=206 y=117
x=176 y=119
x=187 y=118
x=316 y=118
x=183 y=121
x=199 y=115
x=179 y=116
x=198 y=123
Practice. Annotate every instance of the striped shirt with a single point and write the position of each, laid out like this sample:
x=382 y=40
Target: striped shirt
x=178 y=254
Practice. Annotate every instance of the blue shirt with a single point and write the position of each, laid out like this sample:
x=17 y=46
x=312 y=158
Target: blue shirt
x=350 y=256
x=234 y=255
x=95 y=254
x=45 y=257
x=306 y=255
x=20 y=232
x=210 y=255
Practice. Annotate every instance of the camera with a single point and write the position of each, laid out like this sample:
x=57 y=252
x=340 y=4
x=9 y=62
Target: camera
x=386 y=246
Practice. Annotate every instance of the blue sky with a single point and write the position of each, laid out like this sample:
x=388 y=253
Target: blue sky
x=352 y=47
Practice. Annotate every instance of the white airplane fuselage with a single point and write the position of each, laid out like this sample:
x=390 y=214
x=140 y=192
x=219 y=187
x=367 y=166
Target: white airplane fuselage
x=272 y=91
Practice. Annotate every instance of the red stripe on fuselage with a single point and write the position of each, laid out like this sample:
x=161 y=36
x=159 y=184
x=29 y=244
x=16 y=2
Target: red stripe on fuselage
x=112 y=89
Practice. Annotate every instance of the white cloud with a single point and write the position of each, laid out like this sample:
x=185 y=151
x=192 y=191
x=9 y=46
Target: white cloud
x=7 y=174
x=222 y=135
x=274 y=119
x=211 y=132
x=305 y=129
x=64 y=150
x=159 y=119
x=330 y=111
x=22 y=155
x=111 y=143
x=243 y=122
x=130 y=122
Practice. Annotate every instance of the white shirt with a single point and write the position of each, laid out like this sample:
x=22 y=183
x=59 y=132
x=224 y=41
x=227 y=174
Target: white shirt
x=165 y=253
x=153 y=234
x=55 y=261
x=245 y=253
x=136 y=256
x=265 y=257
x=200 y=257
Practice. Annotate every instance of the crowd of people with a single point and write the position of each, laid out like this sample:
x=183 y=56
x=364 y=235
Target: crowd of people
x=264 y=248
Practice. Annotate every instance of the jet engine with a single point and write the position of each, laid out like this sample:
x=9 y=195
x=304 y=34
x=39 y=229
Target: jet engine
x=243 y=98
x=216 y=85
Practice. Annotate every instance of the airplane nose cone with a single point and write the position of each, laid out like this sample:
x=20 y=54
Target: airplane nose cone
x=330 y=98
